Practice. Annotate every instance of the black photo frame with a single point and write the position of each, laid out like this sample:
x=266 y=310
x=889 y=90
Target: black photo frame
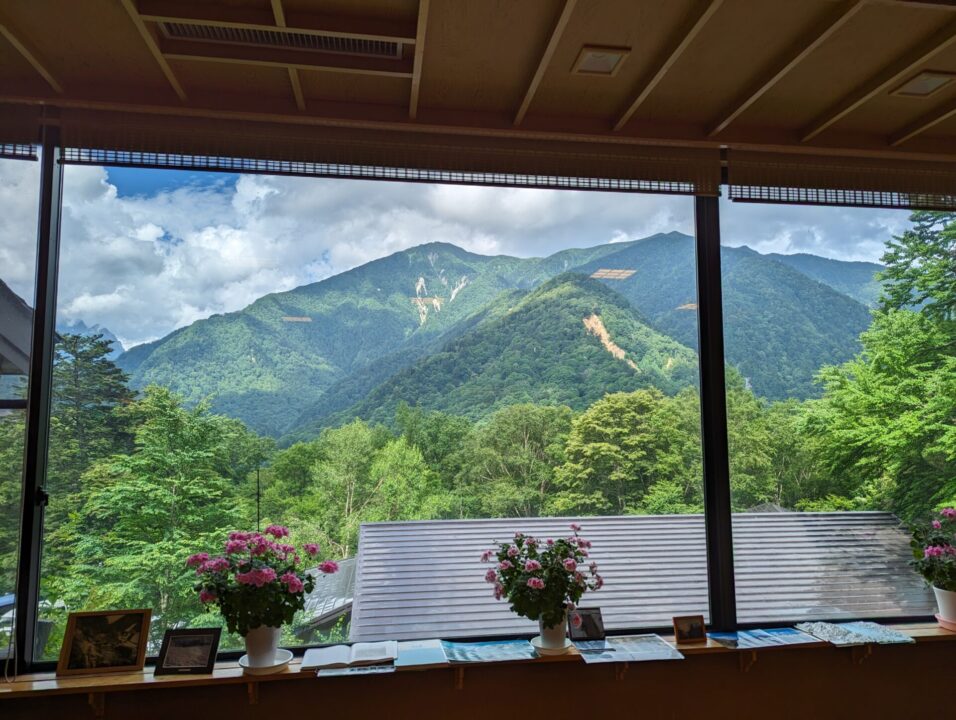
x=188 y=651
x=590 y=627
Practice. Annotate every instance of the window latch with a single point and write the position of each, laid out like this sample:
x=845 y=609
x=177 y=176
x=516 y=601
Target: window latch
x=42 y=498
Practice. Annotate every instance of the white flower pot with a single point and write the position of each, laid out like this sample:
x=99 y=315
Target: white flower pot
x=261 y=645
x=554 y=638
x=946 y=600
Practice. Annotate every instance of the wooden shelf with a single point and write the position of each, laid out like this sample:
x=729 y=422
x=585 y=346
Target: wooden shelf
x=231 y=674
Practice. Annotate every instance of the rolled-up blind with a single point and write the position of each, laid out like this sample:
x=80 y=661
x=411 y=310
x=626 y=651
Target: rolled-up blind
x=236 y=146
x=850 y=181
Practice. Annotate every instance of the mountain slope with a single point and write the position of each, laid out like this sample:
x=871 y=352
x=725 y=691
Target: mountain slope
x=567 y=342
x=854 y=279
x=267 y=363
x=780 y=326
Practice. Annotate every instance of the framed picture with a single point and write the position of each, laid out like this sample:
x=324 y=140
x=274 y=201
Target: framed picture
x=586 y=624
x=188 y=651
x=104 y=642
x=690 y=629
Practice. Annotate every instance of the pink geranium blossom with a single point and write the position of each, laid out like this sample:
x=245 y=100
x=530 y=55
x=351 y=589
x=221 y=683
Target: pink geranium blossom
x=536 y=583
x=491 y=576
x=575 y=527
x=292 y=582
x=505 y=565
x=256 y=577
x=949 y=513
x=937 y=525
x=311 y=549
x=197 y=559
x=277 y=531
x=236 y=546
x=570 y=565
x=329 y=567
x=513 y=551
x=532 y=565
x=205 y=596
x=486 y=556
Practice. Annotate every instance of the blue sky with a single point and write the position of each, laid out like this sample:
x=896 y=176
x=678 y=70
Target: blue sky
x=146 y=251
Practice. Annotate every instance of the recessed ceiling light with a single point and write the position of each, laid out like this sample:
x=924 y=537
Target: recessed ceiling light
x=925 y=84
x=596 y=60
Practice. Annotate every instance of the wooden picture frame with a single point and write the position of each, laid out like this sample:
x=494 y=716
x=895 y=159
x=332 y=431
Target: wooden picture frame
x=690 y=629
x=188 y=651
x=104 y=641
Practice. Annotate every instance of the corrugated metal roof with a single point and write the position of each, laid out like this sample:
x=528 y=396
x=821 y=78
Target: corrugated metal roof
x=424 y=579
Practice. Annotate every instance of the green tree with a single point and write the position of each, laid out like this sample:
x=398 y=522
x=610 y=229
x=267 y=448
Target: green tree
x=140 y=514
x=508 y=461
x=921 y=267
x=617 y=450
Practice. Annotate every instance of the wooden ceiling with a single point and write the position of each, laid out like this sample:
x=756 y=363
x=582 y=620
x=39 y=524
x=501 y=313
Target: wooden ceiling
x=794 y=75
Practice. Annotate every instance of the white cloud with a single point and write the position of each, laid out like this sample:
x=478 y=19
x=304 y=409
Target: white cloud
x=145 y=265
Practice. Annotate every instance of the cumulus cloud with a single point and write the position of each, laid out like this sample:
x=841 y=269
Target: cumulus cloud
x=145 y=265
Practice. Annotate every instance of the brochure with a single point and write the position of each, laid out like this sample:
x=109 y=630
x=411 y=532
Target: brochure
x=634 y=648
x=356 y=670
x=854 y=633
x=762 y=638
x=421 y=654
x=493 y=651
x=348 y=655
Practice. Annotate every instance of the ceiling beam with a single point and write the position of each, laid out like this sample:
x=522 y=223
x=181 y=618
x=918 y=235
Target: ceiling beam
x=680 y=41
x=891 y=75
x=26 y=49
x=799 y=50
x=421 y=27
x=190 y=50
x=924 y=123
x=549 y=50
x=153 y=48
x=193 y=13
x=279 y=15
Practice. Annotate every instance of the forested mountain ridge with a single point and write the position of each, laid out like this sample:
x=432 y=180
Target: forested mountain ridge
x=852 y=278
x=277 y=358
x=568 y=342
x=780 y=325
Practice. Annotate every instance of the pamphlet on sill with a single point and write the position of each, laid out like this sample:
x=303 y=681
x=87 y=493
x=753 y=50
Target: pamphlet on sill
x=762 y=638
x=633 y=648
x=493 y=651
x=339 y=656
x=421 y=654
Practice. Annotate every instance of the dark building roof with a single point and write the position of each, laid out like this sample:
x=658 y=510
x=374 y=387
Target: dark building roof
x=424 y=579
x=16 y=327
x=332 y=596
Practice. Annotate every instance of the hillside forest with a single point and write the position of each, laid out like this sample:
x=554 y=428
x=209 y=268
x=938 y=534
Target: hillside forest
x=549 y=393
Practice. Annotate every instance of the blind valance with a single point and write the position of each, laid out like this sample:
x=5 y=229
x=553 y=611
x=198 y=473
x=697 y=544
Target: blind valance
x=196 y=143
x=852 y=181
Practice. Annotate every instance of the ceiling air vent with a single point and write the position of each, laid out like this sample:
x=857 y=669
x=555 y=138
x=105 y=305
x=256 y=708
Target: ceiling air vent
x=282 y=39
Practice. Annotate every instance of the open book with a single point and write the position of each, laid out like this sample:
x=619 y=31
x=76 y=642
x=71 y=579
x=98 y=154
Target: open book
x=350 y=655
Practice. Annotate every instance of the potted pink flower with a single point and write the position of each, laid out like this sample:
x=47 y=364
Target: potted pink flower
x=258 y=584
x=934 y=552
x=543 y=580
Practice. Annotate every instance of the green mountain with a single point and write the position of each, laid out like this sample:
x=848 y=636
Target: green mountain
x=268 y=362
x=292 y=358
x=855 y=279
x=567 y=342
x=780 y=325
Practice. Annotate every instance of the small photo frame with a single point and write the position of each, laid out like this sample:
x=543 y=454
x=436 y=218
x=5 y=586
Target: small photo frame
x=586 y=624
x=188 y=651
x=690 y=629
x=104 y=642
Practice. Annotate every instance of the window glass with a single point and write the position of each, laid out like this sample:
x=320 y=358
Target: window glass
x=837 y=419
x=19 y=182
x=352 y=359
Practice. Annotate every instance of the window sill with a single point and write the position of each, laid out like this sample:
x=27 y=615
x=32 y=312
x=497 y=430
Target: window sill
x=229 y=673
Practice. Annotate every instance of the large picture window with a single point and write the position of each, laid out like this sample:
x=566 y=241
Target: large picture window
x=339 y=356
x=837 y=420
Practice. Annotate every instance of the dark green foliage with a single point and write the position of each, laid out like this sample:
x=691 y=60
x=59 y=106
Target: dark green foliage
x=541 y=351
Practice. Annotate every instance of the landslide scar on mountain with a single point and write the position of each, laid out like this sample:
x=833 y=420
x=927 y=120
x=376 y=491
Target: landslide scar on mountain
x=595 y=326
